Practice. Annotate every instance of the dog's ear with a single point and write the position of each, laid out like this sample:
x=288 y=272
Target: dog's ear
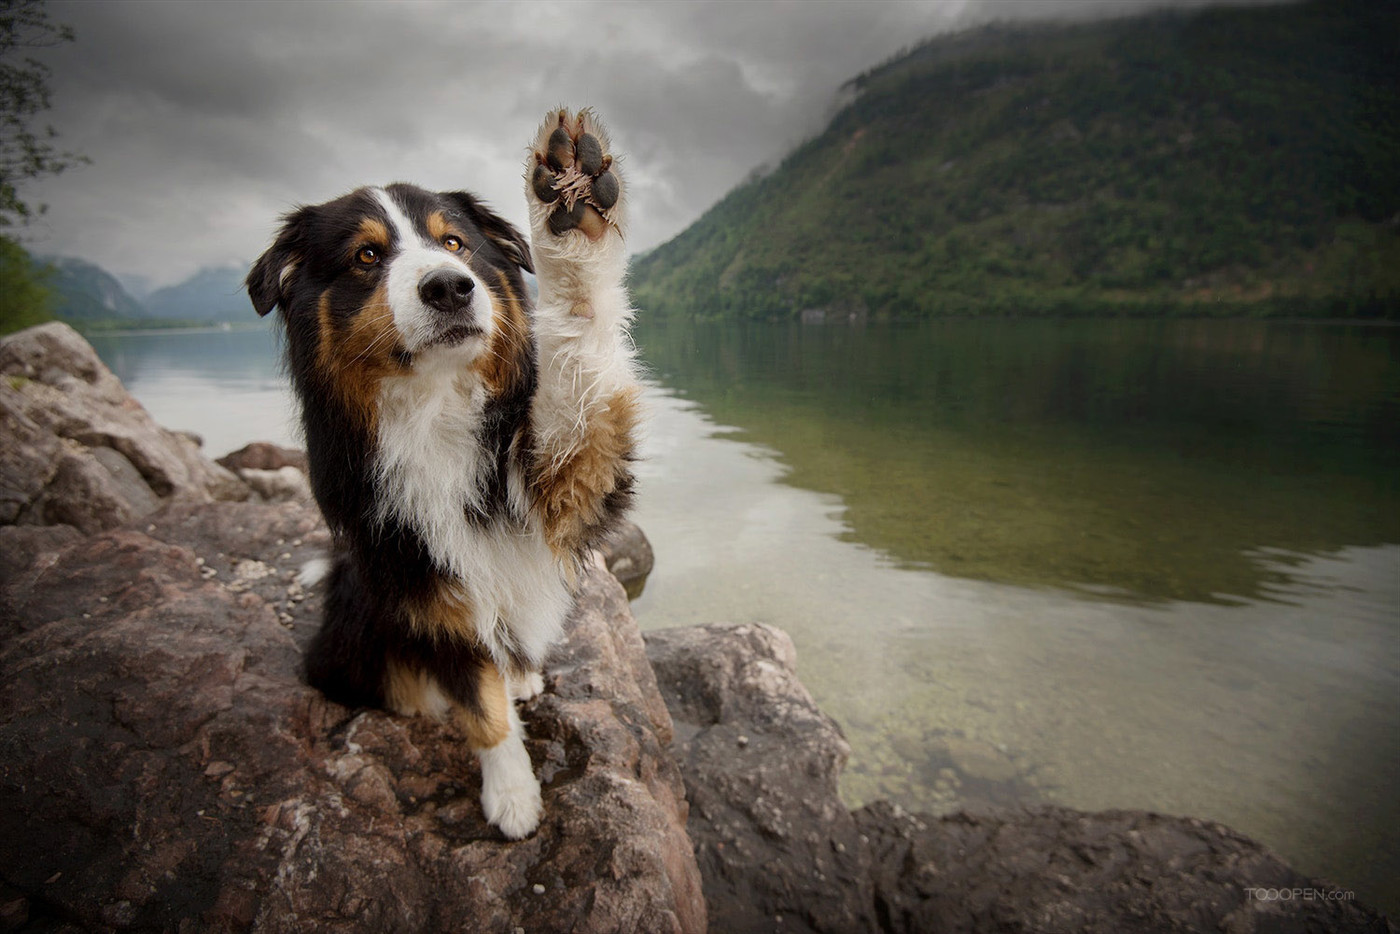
x=498 y=230
x=267 y=279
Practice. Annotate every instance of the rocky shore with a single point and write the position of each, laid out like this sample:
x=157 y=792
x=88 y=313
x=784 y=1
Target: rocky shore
x=163 y=768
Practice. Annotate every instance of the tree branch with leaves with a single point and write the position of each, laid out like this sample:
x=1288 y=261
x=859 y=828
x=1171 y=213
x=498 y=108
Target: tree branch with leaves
x=27 y=151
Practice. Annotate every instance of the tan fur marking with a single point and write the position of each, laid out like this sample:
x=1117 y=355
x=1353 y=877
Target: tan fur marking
x=492 y=724
x=498 y=366
x=358 y=354
x=570 y=495
x=372 y=232
x=410 y=691
x=447 y=614
x=438 y=227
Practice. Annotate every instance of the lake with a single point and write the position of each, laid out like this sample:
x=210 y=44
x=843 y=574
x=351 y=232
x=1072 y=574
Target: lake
x=1100 y=563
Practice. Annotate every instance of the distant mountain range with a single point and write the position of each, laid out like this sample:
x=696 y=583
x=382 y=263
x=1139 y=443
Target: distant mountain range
x=85 y=293
x=209 y=295
x=1235 y=160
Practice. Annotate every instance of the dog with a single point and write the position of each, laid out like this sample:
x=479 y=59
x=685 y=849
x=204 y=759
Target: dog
x=467 y=447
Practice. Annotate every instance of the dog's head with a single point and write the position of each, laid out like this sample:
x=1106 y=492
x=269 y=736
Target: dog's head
x=373 y=281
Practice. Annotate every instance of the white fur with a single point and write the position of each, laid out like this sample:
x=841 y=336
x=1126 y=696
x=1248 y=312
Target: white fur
x=510 y=793
x=526 y=687
x=430 y=470
x=313 y=572
x=583 y=361
x=414 y=258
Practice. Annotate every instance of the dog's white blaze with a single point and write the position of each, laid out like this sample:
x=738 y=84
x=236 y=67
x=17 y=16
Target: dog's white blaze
x=430 y=469
x=415 y=257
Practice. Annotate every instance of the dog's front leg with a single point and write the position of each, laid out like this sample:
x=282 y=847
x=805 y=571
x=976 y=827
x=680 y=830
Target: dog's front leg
x=510 y=793
x=586 y=407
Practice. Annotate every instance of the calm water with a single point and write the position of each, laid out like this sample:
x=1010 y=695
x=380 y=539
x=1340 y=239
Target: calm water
x=1102 y=564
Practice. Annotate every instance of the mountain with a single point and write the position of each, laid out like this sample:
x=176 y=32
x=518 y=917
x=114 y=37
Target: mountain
x=1230 y=160
x=211 y=294
x=85 y=292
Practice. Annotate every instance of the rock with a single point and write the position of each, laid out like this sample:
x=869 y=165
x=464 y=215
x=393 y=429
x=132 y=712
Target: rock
x=275 y=473
x=261 y=455
x=979 y=760
x=1054 y=869
x=20 y=544
x=761 y=765
x=629 y=557
x=277 y=486
x=167 y=769
x=80 y=450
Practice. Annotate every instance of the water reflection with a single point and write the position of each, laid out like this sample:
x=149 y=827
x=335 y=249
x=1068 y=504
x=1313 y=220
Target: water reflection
x=1129 y=459
x=225 y=386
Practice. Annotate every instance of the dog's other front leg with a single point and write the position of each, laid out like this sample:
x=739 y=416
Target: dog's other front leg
x=510 y=793
x=585 y=411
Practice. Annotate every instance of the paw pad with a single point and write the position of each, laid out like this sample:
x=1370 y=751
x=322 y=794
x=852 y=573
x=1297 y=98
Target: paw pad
x=573 y=169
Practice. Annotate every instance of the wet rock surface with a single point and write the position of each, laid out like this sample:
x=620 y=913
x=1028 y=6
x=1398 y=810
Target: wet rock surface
x=629 y=557
x=1055 y=869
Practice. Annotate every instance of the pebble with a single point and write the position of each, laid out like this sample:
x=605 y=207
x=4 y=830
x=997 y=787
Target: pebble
x=537 y=888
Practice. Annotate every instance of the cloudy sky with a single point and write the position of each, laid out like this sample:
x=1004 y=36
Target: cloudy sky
x=206 y=120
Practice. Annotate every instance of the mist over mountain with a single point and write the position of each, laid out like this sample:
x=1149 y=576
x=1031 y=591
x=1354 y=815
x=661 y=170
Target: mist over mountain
x=84 y=292
x=211 y=294
x=1225 y=161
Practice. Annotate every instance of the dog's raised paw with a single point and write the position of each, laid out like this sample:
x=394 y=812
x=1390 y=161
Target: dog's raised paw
x=574 y=171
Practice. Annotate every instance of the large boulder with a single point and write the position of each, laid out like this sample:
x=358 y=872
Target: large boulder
x=777 y=848
x=1055 y=869
x=79 y=449
x=166 y=769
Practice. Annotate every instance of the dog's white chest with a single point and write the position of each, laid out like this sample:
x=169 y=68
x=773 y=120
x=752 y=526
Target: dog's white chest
x=432 y=474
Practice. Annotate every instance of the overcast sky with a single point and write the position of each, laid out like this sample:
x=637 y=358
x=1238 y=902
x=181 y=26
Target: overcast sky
x=206 y=120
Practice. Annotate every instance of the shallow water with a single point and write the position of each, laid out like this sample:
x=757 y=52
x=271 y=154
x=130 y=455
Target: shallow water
x=1103 y=564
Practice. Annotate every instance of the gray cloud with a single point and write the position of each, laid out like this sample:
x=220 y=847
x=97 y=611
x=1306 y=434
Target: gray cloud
x=206 y=120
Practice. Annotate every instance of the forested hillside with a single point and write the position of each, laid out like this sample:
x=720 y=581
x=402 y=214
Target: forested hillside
x=1233 y=160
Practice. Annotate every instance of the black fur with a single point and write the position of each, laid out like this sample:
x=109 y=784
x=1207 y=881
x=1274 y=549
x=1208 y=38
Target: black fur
x=381 y=566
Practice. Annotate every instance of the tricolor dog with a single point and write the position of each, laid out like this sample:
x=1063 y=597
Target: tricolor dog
x=468 y=449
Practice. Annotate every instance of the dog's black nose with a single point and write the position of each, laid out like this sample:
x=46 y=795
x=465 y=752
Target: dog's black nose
x=446 y=290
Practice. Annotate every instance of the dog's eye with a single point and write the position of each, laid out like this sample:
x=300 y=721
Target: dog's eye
x=452 y=243
x=368 y=256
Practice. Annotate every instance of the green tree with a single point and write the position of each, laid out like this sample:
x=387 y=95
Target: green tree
x=26 y=152
x=25 y=298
